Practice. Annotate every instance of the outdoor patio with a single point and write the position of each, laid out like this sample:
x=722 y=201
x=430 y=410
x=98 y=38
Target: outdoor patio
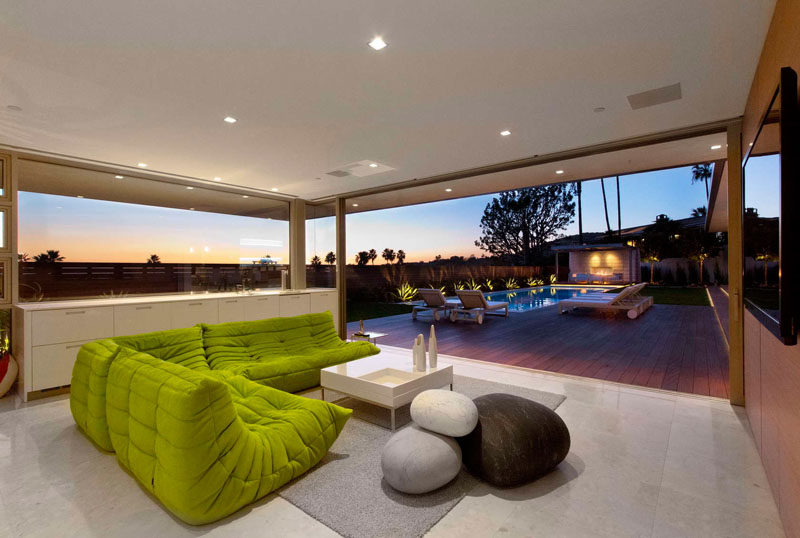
x=670 y=347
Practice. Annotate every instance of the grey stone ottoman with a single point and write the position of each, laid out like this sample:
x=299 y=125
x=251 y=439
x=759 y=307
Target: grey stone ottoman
x=418 y=461
x=516 y=440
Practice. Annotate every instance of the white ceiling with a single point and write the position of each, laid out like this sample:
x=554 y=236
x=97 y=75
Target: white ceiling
x=150 y=81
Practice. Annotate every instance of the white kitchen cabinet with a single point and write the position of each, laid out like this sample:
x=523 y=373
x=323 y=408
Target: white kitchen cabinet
x=294 y=305
x=141 y=318
x=190 y=313
x=71 y=324
x=324 y=301
x=48 y=335
x=266 y=307
x=231 y=309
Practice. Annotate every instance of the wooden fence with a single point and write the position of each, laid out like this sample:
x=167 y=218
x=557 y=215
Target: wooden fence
x=49 y=281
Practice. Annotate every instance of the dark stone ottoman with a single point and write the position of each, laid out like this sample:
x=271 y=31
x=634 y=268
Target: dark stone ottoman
x=516 y=440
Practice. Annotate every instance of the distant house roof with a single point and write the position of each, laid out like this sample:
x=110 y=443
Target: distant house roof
x=593 y=246
x=626 y=234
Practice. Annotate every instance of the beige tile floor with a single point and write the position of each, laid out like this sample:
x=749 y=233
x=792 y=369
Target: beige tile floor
x=642 y=463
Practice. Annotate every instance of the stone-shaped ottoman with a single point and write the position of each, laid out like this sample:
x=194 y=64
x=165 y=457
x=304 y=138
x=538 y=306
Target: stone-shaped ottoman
x=516 y=440
x=418 y=461
x=444 y=411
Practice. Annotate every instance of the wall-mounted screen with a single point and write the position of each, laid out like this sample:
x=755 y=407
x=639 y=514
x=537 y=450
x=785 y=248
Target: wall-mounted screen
x=770 y=221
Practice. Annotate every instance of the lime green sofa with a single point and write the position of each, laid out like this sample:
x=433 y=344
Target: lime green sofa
x=207 y=445
x=132 y=395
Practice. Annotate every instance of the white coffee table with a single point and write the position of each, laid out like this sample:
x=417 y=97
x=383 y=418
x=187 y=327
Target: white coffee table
x=387 y=380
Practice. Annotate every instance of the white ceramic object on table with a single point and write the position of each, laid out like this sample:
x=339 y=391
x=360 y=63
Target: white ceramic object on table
x=433 y=349
x=418 y=352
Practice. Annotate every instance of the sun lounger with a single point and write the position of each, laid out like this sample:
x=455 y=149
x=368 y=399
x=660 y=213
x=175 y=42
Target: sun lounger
x=434 y=302
x=475 y=306
x=628 y=300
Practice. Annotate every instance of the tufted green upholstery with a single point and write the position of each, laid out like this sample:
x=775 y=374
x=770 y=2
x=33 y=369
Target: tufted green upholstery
x=285 y=353
x=205 y=446
x=178 y=346
x=87 y=399
x=180 y=412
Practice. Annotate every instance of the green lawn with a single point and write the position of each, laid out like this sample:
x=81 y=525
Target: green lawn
x=682 y=296
x=365 y=310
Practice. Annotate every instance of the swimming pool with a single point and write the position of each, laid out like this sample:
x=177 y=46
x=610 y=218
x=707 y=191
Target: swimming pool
x=528 y=299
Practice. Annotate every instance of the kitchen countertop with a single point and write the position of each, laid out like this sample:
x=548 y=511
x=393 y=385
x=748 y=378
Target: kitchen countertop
x=171 y=298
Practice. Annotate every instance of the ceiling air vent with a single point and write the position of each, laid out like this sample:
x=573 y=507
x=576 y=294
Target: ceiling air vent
x=360 y=169
x=655 y=97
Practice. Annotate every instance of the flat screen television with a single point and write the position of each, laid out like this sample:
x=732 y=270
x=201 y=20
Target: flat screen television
x=771 y=236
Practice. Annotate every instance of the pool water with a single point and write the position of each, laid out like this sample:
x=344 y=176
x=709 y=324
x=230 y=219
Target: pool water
x=525 y=300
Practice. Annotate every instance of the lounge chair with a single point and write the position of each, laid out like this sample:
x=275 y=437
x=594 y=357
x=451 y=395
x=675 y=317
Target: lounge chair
x=628 y=299
x=634 y=293
x=435 y=302
x=473 y=303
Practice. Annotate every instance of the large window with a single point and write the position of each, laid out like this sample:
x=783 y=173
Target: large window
x=85 y=234
x=321 y=246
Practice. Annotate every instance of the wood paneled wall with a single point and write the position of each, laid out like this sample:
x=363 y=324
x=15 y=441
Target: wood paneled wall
x=772 y=370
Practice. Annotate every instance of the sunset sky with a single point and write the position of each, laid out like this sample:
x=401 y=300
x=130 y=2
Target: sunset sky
x=92 y=230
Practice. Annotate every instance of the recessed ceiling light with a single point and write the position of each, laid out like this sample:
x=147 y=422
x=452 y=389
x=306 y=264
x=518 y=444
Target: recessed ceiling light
x=217 y=179
x=751 y=143
x=355 y=205
x=448 y=190
x=229 y=119
x=119 y=177
x=245 y=196
x=378 y=43
x=373 y=165
x=189 y=188
x=716 y=146
x=80 y=196
x=505 y=133
x=559 y=172
x=15 y=108
x=274 y=189
x=191 y=209
x=142 y=165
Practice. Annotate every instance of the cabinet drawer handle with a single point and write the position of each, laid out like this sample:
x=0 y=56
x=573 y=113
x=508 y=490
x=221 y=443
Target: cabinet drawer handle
x=232 y=301
x=71 y=312
x=143 y=307
x=195 y=304
x=264 y=299
x=72 y=346
x=294 y=297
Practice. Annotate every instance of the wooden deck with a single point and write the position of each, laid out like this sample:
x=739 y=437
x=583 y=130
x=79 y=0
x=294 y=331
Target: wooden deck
x=679 y=348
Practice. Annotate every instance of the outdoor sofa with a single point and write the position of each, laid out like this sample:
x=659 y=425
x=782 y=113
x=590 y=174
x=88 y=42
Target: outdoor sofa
x=202 y=417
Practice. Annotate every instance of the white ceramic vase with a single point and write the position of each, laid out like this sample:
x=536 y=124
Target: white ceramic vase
x=433 y=349
x=418 y=352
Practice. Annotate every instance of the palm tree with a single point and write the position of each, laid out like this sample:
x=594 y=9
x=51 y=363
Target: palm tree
x=388 y=255
x=23 y=257
x=154 y=259
x=50 y=256
x=605 y=204
x=330 y=258
x=362 y=258
x=765 y=257
x=699 y=211
x=372 y=255
x=701 y=172
x=401 y=256
x=316 y=261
